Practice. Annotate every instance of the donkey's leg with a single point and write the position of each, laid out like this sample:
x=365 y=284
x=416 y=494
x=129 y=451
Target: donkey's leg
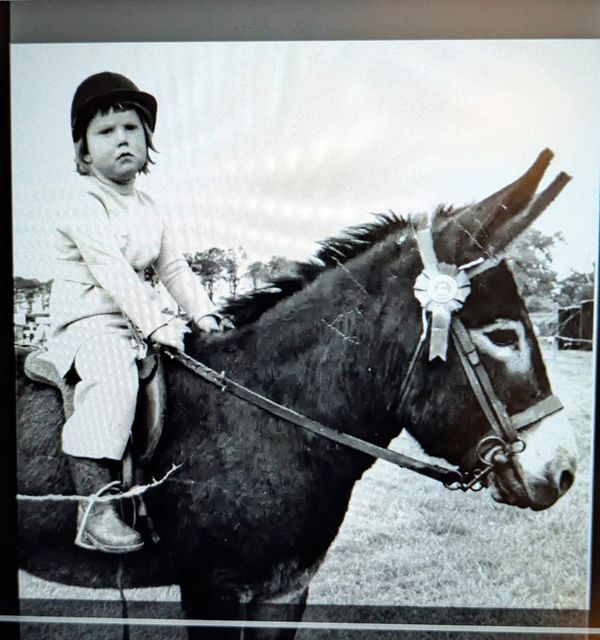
x=201 y=602
x=288 y=608
x=204 y=604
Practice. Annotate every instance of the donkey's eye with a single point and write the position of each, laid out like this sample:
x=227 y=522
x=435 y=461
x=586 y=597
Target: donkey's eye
x=504 y=337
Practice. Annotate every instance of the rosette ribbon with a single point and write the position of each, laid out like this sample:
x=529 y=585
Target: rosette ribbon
x=441 y=289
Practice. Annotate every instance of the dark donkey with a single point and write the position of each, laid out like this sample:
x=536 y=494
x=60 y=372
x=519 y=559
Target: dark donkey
x=256 y=502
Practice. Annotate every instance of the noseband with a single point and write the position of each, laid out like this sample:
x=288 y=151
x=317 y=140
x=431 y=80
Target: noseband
x=441 y=289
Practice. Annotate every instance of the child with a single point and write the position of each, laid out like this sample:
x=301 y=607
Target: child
x=101 y=311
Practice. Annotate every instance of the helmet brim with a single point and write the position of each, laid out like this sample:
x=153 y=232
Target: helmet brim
x=144 y=101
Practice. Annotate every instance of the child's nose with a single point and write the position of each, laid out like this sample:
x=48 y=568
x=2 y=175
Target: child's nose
x=123 y=135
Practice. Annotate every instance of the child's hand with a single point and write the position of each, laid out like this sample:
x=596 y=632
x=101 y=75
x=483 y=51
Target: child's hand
x=209 y=324
x=171 y=334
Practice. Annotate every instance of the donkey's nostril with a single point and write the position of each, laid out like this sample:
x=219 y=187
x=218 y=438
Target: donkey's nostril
x=566 y=480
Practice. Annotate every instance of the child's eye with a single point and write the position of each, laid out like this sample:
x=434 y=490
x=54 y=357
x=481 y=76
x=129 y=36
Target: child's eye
x=131 y=127
x=104 y=132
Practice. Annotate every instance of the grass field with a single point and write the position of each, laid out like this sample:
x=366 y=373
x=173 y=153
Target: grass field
x=407 y=541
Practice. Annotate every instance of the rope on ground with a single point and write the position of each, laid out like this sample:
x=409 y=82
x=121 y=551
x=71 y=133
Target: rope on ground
x=584 y=340
x=136 y=490
x=565 y=339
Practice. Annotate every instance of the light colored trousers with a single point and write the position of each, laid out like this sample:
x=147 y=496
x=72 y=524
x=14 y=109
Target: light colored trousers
x=105 y=398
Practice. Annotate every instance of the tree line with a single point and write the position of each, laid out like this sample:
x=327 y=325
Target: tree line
x=229 y=265
x=530 y=258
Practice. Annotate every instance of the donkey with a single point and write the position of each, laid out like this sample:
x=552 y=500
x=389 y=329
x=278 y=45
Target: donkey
x=256 y=501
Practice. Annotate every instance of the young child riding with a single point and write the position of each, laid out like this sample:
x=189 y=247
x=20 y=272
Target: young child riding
x=102 y=313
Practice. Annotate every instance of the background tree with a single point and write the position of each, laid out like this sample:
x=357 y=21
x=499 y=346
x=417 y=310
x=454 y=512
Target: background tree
x=277 y=267
x=216 y=264
x=575 y=287
x=232 y=265
x=209 y=265
x=280 y=267
x=257 y=272
x=531 y=261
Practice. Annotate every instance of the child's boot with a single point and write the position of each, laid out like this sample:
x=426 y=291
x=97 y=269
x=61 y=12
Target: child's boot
x=99 y=526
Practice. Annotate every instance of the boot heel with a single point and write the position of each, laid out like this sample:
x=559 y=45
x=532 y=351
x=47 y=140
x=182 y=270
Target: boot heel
x=88 y=542
x=84 y=540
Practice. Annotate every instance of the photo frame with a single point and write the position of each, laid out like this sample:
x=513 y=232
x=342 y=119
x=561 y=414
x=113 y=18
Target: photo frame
x=309 y=68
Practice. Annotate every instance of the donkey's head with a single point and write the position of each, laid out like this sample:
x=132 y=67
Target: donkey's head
x=480 y=394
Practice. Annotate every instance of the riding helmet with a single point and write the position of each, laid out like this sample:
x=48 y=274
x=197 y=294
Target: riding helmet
x=102 y=90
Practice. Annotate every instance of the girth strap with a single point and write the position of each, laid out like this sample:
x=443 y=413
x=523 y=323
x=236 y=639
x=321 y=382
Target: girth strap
x=444 y=475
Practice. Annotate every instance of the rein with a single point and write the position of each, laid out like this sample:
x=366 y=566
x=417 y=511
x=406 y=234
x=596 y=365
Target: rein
x=445 y=475
x=450 y=478
x=441 y=289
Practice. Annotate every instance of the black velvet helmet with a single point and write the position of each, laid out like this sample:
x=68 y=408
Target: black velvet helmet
x=103 y=90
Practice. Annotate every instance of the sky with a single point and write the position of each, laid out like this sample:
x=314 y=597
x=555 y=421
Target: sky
x=273 y=146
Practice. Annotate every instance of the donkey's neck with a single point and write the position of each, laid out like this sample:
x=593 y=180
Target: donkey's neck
x=332 y=352
x=335 y=352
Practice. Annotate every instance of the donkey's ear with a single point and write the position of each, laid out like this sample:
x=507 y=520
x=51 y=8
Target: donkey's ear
x=493 y=223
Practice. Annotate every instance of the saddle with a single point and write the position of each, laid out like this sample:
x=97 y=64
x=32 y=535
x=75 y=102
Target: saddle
x=150 y=410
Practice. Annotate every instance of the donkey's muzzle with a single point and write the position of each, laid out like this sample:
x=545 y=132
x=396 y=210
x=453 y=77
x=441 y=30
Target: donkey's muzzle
x=547 y=465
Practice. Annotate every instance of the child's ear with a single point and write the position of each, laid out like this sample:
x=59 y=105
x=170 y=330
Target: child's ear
x=87 y=158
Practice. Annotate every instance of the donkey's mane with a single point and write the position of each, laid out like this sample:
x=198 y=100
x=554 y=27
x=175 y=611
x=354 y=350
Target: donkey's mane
x=352 y=242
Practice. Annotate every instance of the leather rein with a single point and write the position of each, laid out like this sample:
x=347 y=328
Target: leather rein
x=503 y=436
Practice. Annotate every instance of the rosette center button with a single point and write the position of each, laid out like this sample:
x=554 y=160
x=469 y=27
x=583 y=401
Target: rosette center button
x=442 y=288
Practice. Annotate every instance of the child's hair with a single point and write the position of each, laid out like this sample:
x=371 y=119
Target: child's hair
x=81 y=146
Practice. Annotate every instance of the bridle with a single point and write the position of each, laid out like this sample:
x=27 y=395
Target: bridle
x=445 y=287
x=442 y=289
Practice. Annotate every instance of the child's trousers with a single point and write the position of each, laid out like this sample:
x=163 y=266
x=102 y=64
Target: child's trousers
x=105 y=398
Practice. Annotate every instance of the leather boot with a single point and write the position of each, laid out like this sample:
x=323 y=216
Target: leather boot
x=99 y=527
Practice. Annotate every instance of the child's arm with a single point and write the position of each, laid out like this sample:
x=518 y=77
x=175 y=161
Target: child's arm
x=181 y=282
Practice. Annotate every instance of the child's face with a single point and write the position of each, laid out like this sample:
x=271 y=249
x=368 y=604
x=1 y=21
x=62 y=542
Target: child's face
x=116 y=145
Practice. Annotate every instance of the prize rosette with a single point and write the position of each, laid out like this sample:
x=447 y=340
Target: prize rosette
x=441 y=291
